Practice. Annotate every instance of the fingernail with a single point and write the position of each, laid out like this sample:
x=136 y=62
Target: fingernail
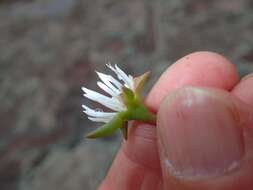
x=199 y=134
x=247 y=76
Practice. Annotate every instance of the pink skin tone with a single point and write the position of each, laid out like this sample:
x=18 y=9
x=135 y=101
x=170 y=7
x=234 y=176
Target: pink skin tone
x=204 y=133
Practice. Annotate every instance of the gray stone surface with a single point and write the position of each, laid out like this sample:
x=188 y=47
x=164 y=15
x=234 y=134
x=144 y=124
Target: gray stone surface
x=81 y=168
x=50 y=48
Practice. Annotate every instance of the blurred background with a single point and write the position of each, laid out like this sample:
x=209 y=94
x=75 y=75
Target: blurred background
x=50 y=48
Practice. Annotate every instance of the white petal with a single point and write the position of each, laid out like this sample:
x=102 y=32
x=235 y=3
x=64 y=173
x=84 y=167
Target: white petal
x=94 y=113
x=131 y=82
x=111 y=82
x=124 y=76
x=100 y=119
x=111 y=103
x=128 y=80
x=107 y=89
x=98 y=116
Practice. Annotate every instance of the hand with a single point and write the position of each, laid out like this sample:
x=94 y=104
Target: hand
x=204 y=133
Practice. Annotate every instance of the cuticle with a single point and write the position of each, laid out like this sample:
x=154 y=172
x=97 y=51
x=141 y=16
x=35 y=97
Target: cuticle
x=247 y=76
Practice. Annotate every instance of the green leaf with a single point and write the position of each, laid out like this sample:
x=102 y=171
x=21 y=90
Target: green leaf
x=108 y=128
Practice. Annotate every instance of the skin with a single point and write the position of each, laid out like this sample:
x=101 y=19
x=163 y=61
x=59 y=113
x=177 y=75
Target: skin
x=204 y=133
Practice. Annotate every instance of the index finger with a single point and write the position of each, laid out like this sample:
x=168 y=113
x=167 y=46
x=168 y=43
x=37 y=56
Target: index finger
x=205 y=69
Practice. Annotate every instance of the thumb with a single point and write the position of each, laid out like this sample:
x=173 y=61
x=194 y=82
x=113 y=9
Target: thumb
x=205 y=139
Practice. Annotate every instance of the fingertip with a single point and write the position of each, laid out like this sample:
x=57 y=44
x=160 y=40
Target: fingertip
x=202 y=68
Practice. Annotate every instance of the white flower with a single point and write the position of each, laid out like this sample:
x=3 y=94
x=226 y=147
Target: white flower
x=112 y=87
x=124 y=99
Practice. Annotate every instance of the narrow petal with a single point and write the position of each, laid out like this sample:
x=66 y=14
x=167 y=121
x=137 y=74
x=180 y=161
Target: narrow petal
x=124 y=76
x=100 y=119
x=131 y=82
x=95 y=113
x=107 y=89
x=111 y=82
x=111 y=103
x=128 y=80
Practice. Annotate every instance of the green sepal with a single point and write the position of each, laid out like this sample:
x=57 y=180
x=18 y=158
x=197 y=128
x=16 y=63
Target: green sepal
x=140 y=81
x=141 y=113
x=128 y=96
x=109 y=128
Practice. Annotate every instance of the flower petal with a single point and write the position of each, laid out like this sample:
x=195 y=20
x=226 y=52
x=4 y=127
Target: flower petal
x=107 y=89
x=100 y=119
x=128 y=80
x=112 y=103
x=95 y=113
x=111 y=82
